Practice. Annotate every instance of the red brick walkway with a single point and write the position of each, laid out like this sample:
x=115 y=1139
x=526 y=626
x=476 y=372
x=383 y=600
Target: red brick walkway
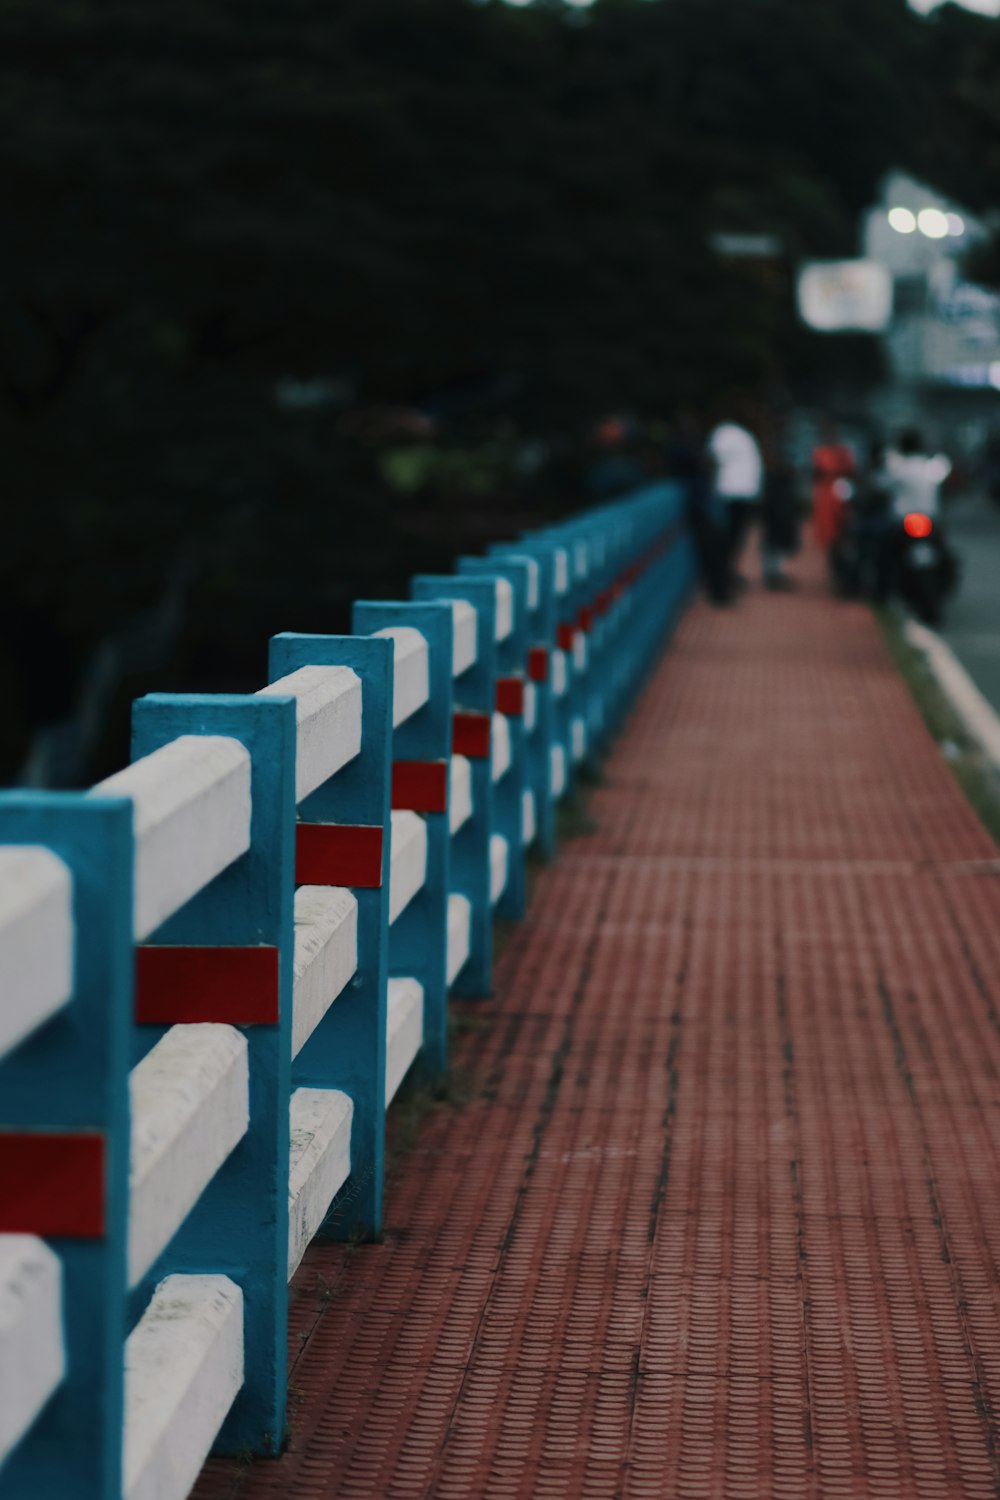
x=721 y=1213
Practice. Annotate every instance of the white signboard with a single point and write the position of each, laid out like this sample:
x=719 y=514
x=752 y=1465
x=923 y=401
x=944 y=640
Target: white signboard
x=837 y=296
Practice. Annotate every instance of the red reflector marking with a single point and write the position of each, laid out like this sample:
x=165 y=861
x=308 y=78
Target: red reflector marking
x=510 y=696
x=52 y=1184
x=538 y=664
x=470 y=735
x=917 y=524
x=585 y=619
x=236 y=985
x=420 y=786
x=338 y=854
x=564 y=637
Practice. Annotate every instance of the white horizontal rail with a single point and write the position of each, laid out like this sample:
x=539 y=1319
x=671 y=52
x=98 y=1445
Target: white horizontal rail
x=579 y=651
x=404 y=1031
x=504 y=621
x=408 y=860
x=459 y=793
x=36 y=940
x=32 y=1355
x=499 y=746
x=499 y=856
x=528 y=827
x=465 y=642
x=326 y=954
x=190 y=1107
x=411 y=683
x=578 y=738
x=319 y=1162
x=327 y=719
x=191 y=818
x=558 y=770
x=459 y=933
x=530 y=707
x=183 y=1371
x=559 y=674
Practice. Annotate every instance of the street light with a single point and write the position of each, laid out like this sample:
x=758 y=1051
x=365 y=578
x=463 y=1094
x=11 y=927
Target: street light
x=902 y=220
x=933 y=223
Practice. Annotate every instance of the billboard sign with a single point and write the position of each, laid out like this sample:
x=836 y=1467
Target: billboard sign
x=841 y=296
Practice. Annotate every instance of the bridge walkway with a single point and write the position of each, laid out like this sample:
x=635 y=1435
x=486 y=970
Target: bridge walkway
x=712 y=1210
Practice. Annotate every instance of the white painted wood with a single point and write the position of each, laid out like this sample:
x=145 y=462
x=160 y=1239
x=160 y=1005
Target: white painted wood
x=328 y=721
x=408 y=860
x=183 y=1371
x=534 y=591
x=562 y=570
x=191 y=801
x=528 y=828
x=326 y=954
x=190 y=1106
x=981 y=722
x=459 y=793
x=558 y=773
x=579 y=651
x=411 y=679
x=459 y=933
x=499 y=855
x=499 y=746
x=319 y=1162
x=404 y=1032
x=36 y=940
x=530 y=707
x=504 y=619
x=559 y=674
x=578 y=739
x=465 y=641
x=32 y=1356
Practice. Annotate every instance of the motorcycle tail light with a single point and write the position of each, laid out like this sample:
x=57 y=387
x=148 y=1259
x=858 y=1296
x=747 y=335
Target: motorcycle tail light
x=917 y=524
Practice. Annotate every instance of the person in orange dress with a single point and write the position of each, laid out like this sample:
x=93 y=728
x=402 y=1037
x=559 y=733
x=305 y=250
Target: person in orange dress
x=833 y=474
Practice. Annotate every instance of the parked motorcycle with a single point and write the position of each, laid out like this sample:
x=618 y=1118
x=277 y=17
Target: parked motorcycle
x=926 y=570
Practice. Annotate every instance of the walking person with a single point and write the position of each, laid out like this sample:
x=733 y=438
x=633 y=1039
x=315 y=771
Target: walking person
x=739 y=474
x=687 y=461
x=779 y=507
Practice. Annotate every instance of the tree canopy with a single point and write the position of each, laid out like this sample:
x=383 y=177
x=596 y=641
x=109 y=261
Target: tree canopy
x=410 y=196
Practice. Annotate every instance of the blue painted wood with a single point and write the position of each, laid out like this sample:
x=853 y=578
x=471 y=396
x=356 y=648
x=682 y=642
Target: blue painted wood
x=72 y=1074
x=540 y=634
x=474 y=690
x=240 y=1224
x=418 y=939
x=347 y=1049
x=508 y=792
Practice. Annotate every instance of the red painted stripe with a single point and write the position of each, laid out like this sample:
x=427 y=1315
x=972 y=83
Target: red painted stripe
x=603 y=602
x=564 y=637
x=420 y=785
x=53 y=1183
x=236 y=985
x=338 y=854
x=538 y=664
x=470 y=735
x=510 y=696
x=585 y=618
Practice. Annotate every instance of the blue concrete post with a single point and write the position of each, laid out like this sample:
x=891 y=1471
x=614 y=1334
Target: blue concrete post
x=421 y=753
x=239 y=1226
x=344 y=824
x=474 y=695
x=539 y=635
x=64 y=1101
x=508 y=792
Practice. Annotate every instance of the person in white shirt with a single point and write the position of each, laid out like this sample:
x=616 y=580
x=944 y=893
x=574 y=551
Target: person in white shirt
x=739 y=477
x=914 y=478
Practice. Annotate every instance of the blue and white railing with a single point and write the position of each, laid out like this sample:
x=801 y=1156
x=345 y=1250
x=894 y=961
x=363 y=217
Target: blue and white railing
x=218 y=966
